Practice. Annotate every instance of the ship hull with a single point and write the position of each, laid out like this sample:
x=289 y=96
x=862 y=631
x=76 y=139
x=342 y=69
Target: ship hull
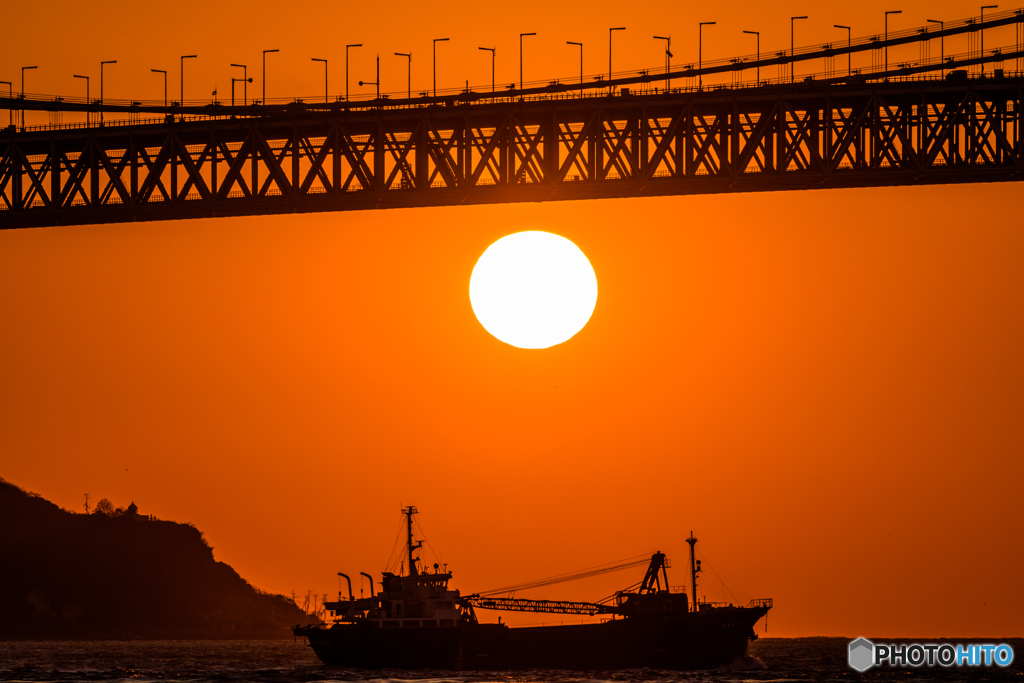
x=687 y=641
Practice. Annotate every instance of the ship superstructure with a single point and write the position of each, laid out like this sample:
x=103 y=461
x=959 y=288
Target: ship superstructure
x=420 y=599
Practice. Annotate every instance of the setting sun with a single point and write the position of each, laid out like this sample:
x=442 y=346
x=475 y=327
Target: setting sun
x=249 y=423
x=533 y=289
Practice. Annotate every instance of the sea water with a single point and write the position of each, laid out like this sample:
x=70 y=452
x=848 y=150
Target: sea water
x=283 y=661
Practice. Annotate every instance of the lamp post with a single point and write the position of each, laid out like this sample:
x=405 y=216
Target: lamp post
x=233 y=81
x=617 y=28
x=86 y=97
x=377 y=82
x=758 y=34
x=792 y=49
x=111 y=61
x=264 y=100
x=580 y=45
x=86 y=87
x=668 y=59
x=849 y=42
x=346 y=66
x=942 y=45
x=700 y=51
x=492 y=50
x=162 y=71
x=245 y=85
x=895 y=11
x=521 y=57
x=408 y=80
x=183 y=58
x=10 y=96
x=983 y=8
x=23 y=70
x=317 y=59
x=436 y=41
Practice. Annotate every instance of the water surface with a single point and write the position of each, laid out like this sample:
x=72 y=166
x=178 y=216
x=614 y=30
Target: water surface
x=287 y=661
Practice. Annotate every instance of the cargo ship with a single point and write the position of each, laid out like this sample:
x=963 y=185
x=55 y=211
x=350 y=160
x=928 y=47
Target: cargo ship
x=416 y=621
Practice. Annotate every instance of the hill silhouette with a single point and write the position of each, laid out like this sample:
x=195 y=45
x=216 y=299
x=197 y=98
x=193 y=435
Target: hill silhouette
x=117 y=574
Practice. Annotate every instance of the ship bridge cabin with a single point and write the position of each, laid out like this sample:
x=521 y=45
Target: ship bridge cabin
x=416 y=601
x=419 y=600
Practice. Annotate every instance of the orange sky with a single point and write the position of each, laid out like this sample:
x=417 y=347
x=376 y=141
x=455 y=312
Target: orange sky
x=827 y=387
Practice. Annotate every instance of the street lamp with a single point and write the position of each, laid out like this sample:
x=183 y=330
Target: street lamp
x=492 y=50
x=436 y=41
x=86 y=87
x=571 y=42
x=317 y=59
x=618 y=28
x=112 y=61
x=233 y=81
x=668 y=58
x=23 y=70
x=983 y=8
x=86 y=97
x=346 y=66
x=156 y=71
x=895 y=11
x=849 y=42
x=10 y=96
x=183 y=58
x=942 y=45
x=792 y=49
x=758 y=34
x=245 y=85
x=700 y=51
x=377 y=82
x=521 y=57
x=409 y=74
x=264 y=100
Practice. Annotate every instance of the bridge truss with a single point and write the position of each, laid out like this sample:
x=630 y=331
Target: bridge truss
x=801 y=136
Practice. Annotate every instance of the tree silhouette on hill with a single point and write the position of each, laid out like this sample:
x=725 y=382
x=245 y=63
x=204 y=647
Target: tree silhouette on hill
x=118 y=574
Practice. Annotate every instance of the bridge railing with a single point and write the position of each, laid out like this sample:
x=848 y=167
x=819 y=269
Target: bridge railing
x=647 y=89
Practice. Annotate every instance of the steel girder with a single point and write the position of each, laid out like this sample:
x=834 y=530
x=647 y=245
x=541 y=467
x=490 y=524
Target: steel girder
x=719 y=141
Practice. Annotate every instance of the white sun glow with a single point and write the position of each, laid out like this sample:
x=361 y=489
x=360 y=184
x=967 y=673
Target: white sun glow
x=533 y=289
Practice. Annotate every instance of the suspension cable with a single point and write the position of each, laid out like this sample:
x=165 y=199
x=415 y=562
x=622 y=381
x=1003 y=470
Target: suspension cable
x=423 y=535
x=720 y=579
x=398 y=535
x=597 y=570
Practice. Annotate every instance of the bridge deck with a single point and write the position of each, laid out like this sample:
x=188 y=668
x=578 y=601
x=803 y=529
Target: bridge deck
x=804 y=136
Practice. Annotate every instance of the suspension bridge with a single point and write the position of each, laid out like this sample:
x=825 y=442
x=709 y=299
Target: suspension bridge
x=951 y=119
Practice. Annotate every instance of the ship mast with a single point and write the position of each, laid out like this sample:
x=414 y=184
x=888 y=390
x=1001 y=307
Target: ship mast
x=409 y=512
x=694 y=569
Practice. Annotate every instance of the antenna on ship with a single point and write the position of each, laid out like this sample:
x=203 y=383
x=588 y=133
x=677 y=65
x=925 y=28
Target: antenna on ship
x=694 y=570
x=409 y=512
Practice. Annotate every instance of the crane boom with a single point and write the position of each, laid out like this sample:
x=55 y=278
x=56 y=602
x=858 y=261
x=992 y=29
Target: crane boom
x=552 y=606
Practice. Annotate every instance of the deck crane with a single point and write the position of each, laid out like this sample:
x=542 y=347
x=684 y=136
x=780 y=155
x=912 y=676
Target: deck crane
x=653 y=595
